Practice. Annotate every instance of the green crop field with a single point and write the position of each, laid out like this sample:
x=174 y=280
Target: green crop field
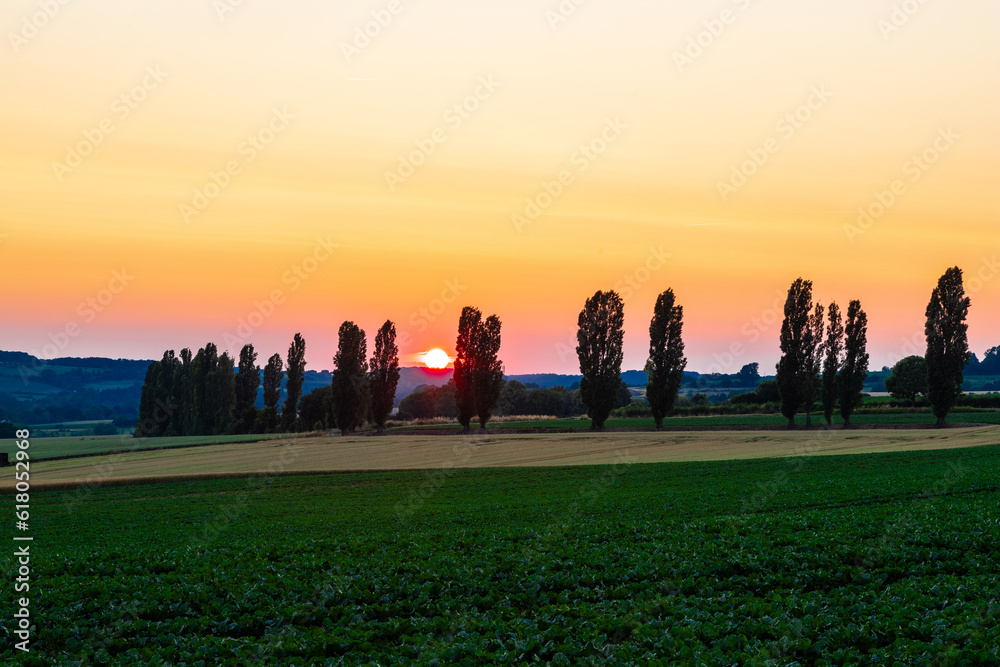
x=862 y=559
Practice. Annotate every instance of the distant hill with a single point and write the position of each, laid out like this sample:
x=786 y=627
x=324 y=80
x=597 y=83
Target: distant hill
x=35 y=391
x=25 y=376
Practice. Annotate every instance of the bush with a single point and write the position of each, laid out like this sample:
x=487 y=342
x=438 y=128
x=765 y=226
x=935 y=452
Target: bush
x=750 y=398
x=635 y=409
x=427 y=402
x=316 y=408
x=978 y=401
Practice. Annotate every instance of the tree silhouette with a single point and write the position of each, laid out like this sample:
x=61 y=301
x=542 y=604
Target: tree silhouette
x=465 y=355
x=831 y=362
x=665 y=368
x=749 y=375
x=294 y=377
x=247 y=384
x=908 y=379
x=167 y=385
x=487 y=373
x=947 y=342
x=814 y=360
x=203 y=407
x=796 y=349
x=599 y=348
x=222 y=390
x=146 y=426
x=184 y=394
x=855 y=368
x=267 y=419
x=350 y=381
x=513 y=398
x=383 y=375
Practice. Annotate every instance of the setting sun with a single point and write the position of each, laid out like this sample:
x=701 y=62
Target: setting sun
x=436 y=358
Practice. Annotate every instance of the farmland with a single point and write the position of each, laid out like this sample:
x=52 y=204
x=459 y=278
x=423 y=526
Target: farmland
x=497 y=449
x=869 y=558
x=85 y=444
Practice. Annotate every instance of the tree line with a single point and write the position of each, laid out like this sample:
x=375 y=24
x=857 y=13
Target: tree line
x=207 y=394
x=824 y=355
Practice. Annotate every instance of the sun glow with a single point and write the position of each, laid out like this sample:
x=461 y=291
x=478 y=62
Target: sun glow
x=436 y=358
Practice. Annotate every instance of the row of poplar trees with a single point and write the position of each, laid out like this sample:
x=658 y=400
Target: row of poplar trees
x=364 y=390
x=206 y=394
x=358 y=391
x=823 y=354
x=599 y=347
x=841 y=356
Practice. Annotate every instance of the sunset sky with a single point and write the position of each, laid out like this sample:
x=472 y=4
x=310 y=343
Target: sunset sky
x=173 y=173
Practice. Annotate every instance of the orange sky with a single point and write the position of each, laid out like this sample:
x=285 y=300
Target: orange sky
x=222 y=159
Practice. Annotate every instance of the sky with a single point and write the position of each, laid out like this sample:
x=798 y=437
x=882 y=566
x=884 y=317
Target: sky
x=173 y=173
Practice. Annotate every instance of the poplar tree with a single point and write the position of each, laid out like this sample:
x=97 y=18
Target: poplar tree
x=665 y=368
x=487 y=373
x=383 y=375
x=222 y=392
x=247 y=384
x=203 y=405
x=814 y=359
x=855 y=367
x=267 y=419
x=831 y=363
x=185 y=394
x=350 y=381
x=599 y=348
x=947 y=342
x=796 y=337
x=295 y=375
x=146 y=425
x=469 y=323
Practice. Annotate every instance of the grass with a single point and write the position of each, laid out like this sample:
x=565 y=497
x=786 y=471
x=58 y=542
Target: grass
x=860 y=559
